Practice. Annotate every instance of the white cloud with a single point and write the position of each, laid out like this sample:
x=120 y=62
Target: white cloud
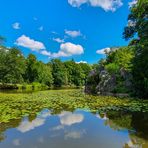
x=41 y=28
x=68 y=49
x=73 y=33
x=102 y=51
x=54 y=32
x=132 y=3
x=107 y=5
x=68 y=118
x=81 y=62
x=16 y=25
x=45 y=52
x=25 y=41
x=77 y=3
x=58 y=40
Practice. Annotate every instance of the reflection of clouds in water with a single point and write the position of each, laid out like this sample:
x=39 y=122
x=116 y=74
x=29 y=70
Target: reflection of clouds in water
x=59 y=127
x=74 y=134
x=103 y=118
x=45 y=114
x=26 y=125
x=68 y=118
x=16 y=142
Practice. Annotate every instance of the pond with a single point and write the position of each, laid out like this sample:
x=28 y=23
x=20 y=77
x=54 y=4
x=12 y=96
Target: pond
x=71 y=119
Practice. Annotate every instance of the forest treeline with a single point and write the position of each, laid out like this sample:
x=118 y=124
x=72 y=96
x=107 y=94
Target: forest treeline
x=125 y=69
x=16 y=69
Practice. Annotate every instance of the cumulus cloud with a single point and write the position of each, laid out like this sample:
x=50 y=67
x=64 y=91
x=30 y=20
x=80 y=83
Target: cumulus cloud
x=81 y=62
x=102 y=51
x=132 y=3
x=68 y=118
x=58 y=40
x=16 y=25
x=68 y=49
x=107 y=5
x=45 y=52
x=27 y=42
x=77 y=3
x=73 y=33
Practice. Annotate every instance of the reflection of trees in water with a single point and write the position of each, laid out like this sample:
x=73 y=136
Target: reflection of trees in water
x=14 y=123
x=119 y=120
x=140 y=123
x=136 y=123
x=8 y=125
x=136 y=142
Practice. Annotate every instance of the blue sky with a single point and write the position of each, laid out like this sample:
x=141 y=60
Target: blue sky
x=64 y=29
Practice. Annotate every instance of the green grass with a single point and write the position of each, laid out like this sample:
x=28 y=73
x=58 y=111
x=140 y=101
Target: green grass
x=15 y=106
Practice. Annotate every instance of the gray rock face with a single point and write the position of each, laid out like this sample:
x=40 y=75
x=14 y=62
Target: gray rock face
x=101 y=82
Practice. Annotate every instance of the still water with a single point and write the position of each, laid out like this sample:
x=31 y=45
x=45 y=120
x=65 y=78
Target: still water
x=78 y=128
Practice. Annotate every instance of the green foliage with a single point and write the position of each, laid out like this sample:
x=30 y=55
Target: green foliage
x=59 y=100
x=44 y=74
x=12 y=65
x=113 y=73
x=59 y=73
x=112 y=68
x=16 y=69
x=122 y=57
x=31 y=70
x=139 y=30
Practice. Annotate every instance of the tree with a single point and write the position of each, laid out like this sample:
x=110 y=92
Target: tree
x=31 y=70
x=122 y=57
x=138 y=31
x=12 y=65
x=59 y=73
x=76 y=75
x=44 y=74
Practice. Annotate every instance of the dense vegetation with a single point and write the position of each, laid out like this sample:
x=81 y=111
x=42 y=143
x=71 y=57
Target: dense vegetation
x=125 y=69
x=15 y=106
x=112 y=74
x=138 y=32
x=16 y=69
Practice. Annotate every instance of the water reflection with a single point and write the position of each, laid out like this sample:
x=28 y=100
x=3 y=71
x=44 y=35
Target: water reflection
x=76 y=129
